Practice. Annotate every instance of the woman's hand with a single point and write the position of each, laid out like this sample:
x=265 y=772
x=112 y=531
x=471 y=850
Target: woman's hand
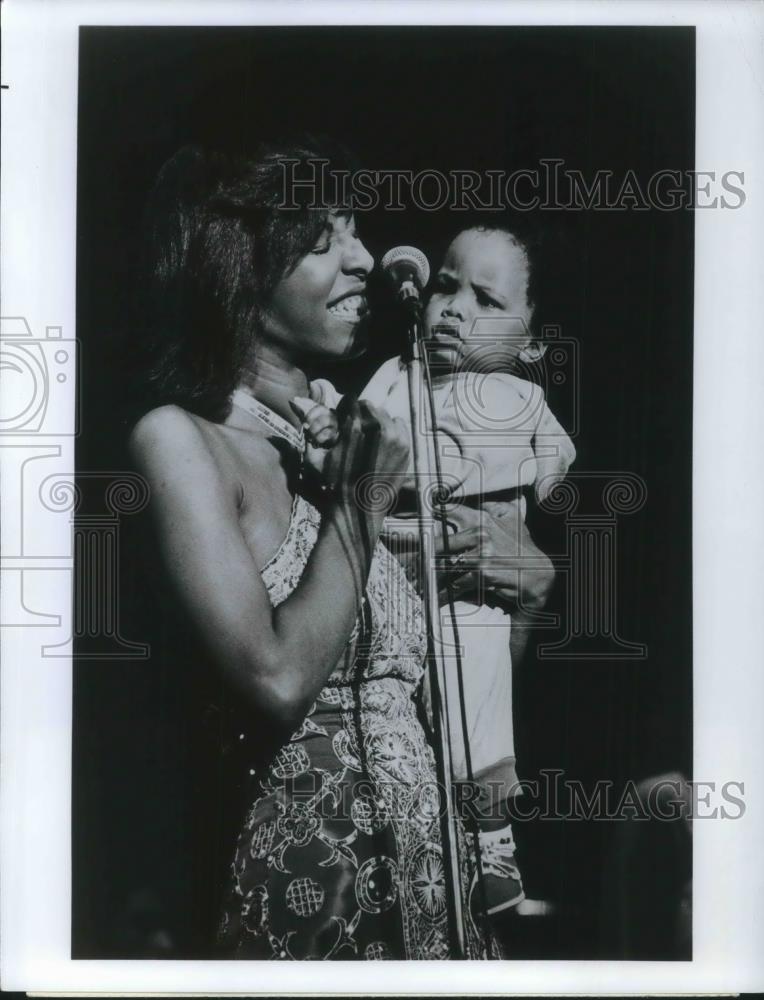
x=360 y=452
x=495 y=556
x=277 y=658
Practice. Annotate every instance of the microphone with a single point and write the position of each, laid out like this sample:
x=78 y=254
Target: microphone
x=408 y=271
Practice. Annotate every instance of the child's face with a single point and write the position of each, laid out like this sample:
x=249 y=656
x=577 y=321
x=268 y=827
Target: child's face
x=478 y=318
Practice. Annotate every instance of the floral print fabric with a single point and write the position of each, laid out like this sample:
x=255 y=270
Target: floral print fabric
x=339 y=855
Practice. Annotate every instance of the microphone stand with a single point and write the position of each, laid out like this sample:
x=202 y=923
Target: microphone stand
x=427 y=470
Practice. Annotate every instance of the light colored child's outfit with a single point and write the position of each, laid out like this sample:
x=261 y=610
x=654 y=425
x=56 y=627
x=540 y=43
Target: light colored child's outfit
x=497 y=437
x=497 y=441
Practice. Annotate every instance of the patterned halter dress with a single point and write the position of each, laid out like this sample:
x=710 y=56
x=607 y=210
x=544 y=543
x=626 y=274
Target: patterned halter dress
x=339 y=853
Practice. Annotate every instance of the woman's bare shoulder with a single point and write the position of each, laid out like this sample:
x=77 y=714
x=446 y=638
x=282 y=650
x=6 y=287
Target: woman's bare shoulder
x=168 y=433
x=171 y=444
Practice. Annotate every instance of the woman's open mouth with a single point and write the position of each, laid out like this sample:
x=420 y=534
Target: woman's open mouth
x=350 y=309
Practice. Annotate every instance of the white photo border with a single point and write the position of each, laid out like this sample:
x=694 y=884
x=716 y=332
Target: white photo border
x=39 y=174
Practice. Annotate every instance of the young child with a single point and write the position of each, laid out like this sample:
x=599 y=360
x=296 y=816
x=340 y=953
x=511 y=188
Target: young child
x=497 y=441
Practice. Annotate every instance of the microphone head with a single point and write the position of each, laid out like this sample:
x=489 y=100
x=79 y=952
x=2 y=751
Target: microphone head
x=410 y=260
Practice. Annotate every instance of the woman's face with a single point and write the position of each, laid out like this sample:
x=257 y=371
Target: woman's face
x=320 y=308
x=478 y=317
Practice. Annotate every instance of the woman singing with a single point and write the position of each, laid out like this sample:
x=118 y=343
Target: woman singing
x=306 y=615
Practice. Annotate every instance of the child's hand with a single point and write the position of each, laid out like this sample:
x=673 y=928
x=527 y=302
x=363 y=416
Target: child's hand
x=322 y=429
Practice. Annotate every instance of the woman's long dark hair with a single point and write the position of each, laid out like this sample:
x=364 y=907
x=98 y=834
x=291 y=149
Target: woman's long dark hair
x=218 y=240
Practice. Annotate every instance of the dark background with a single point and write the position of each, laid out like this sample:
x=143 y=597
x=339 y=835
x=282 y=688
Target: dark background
x=148 y=771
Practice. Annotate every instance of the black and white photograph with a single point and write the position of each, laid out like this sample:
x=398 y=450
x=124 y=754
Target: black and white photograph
x=268 y=765
x=385 y=503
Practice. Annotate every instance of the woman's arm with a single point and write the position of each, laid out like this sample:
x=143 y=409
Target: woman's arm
x=498 y=555
x=277 y=658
